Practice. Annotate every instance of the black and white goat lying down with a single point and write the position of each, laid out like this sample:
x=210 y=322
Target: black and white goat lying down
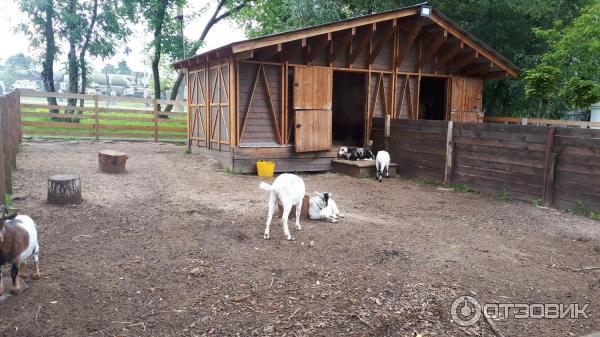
x=355 y=153
x=323 y=207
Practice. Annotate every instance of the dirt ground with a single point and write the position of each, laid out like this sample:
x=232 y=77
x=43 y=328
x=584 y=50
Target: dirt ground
x=174 y=248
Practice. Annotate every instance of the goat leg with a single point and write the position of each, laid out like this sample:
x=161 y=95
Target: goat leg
x=36 y=273
x=1 y=283
x=14 y=274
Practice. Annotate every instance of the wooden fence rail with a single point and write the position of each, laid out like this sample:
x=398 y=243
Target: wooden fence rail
x=557 y=166
x=541 y=122
x=101 y=117
x=10 y=137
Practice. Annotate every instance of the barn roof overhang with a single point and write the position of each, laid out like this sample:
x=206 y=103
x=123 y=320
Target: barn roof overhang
x=495 y=65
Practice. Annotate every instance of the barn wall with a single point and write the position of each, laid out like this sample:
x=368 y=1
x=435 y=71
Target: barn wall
x=493 y=158
x=258 y=126
x=285 y=158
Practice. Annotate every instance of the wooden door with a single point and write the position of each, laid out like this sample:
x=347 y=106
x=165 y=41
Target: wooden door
x=466 y=103
x=312 y=108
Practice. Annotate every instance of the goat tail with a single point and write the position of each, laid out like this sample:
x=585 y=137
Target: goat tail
x=265 y=186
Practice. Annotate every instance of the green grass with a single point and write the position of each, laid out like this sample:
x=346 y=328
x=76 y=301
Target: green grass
x=460 y=187
x=172 y=121
x=579 y=208
x=427 y=181
x=538 y=202
x=8 y=202
x=595 y=216
x=187 y=151
x=504 y=196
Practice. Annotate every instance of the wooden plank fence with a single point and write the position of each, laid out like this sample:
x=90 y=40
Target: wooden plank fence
x=559 y=166
x=101 y=117
x=10 y=137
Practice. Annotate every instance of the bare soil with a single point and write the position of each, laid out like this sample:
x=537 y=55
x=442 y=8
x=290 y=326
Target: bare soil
x=174 y=247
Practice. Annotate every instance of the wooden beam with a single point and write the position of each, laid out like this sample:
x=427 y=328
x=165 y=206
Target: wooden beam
x=341 y=44
x=244 y=55
x=450 y=55
x=433 y=48
x=440 y=22
x=401 y=98
x=476 y=68
x=494 y=74
x=294 y=49
x=249 y=102
x=323 y=29
x=387 y=34
x=409 y=42
x=361 y=44
x=271 y=109
x=465 y=61
x=269 y=52
x=314 y=49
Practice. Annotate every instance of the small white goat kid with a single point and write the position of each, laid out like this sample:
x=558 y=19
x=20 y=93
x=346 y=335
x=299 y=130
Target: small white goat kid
x=287 y=190
x=323 y=207
x=382 y=165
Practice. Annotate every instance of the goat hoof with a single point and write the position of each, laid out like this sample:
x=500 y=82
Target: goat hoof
x=290 y=238
x=298 y=228
x=266 y=237
x=35 y=276
x=15 y=290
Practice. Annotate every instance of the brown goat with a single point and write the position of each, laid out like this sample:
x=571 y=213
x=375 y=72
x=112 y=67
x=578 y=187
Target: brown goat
x=18 y=241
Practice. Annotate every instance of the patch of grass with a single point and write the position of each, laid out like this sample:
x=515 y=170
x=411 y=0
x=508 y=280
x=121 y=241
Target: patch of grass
x=504 y=196
x=364 y=175
x=188 y=150
x=595 y=216
x=460 y=187
x=427 y=181
x=230 y=170
x=8 y=202
x=579 y=208
x=538 y=202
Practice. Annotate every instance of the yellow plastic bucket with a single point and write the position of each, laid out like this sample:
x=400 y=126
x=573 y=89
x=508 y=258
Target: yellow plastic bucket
x=265 y=168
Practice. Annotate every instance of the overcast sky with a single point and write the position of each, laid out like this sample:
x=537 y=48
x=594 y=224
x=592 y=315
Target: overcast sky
x=16 y=42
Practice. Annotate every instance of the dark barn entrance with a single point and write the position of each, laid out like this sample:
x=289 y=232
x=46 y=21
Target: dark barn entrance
x=432 y=101
x=348 y=108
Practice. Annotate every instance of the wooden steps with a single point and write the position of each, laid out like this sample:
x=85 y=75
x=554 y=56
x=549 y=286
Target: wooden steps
x=361 y=168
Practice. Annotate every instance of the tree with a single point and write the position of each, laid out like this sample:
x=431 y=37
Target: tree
x=40 y=30
x=91 y=27
x=123 y=68
x=19 y=62
x=580 y=93
x=223 y=10
x=541 y=84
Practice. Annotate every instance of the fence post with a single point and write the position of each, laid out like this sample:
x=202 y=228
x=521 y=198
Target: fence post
x=2 y=173
x=155 y=112
x=5 y=135
x=12 y=126
x=386 y=134
x=96 y=118
x=550 y=168
x=524 y=121
x=449 y=153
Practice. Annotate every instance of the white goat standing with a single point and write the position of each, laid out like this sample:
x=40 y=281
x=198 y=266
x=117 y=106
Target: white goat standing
x=288 y=190
x=382 y=165
x=323 y=207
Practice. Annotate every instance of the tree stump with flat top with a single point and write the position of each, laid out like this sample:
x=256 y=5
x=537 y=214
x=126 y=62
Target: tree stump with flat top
x=112 y=161
x=64 y=189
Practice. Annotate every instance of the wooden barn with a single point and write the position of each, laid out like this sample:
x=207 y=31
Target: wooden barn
x=296 y=97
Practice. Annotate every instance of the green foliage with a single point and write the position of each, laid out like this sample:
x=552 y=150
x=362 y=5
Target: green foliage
x=188 y=150
x=595 y=216
x=541 y=82
x=426 y=181
x=579 y=208
x=580 y=93
x=123 y=68
x=538 y=202
x=504 y=196
x=230 y=170
x=460 y=187
x=8 y=202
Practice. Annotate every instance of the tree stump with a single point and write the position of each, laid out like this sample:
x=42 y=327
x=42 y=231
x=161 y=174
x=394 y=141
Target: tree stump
x=112 y=161
x=303 y=212
x=64 y=189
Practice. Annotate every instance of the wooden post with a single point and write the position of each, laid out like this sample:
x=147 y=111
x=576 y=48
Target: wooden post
x=387 y=131
x=550 y=168
x=12 y=126
x=2 y=172
x=96 y=117
x=155 y=112
x=449 y=153
x=6 y=150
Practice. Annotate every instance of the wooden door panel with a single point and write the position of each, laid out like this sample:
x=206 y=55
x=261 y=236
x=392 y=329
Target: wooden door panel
x=313 y=130
x=312 y=88
x=466 y=103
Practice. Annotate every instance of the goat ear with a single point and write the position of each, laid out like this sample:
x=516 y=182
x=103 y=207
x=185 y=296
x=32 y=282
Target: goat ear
x=330 y=194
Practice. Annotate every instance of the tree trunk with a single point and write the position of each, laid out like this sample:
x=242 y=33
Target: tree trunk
x=86 y=44
x=73 y=66
x=160 y=19
x=112 y=161
x=82 y=65
x=49 y=56
x=64 y=189
x=540 y=108
x=214 y=19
